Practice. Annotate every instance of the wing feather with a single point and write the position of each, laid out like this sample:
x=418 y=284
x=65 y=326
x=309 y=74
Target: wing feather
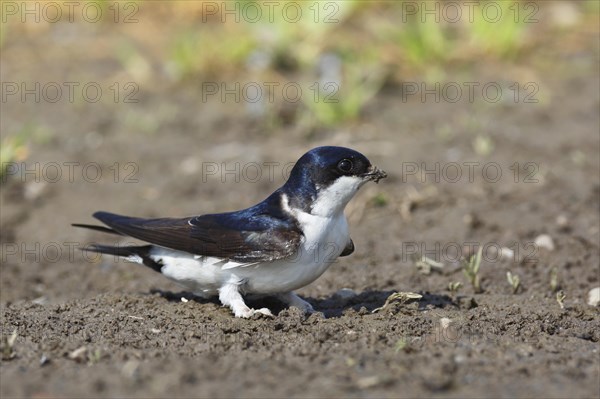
x=262 y=238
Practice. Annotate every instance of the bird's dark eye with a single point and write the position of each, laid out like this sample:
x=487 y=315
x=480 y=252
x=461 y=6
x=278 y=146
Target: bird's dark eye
x=345 y=165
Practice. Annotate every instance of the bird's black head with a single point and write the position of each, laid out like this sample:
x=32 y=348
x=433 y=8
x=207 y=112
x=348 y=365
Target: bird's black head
x=326 y=178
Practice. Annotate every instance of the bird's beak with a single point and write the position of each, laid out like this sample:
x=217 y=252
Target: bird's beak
x=375 y=174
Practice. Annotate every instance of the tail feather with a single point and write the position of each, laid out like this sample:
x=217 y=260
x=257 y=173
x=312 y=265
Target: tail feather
x=141 y=254
x=96 y=228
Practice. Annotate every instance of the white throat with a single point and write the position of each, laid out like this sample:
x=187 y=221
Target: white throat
x=333 y=199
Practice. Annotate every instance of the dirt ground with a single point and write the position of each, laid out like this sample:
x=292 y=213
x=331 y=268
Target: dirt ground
x=96 y=327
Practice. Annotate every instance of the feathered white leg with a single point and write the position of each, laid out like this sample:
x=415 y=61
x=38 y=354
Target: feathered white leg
x=229 y=295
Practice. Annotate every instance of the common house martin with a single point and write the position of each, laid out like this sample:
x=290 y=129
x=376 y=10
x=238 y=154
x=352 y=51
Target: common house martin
x=273 y=248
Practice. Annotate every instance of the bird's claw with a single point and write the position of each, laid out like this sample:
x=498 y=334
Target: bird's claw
x=249 y=312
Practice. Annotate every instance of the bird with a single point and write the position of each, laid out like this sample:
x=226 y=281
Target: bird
x=272 y=248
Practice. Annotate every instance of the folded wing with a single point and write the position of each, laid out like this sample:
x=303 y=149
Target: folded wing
x=238 y=236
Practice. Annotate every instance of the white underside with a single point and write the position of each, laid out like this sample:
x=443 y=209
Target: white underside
x=325 y=239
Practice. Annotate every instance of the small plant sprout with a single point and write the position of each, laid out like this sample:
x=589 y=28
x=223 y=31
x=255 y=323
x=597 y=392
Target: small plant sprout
x=454 y=286
x=380 y=200
x=8 y=343
x=401 y=344
x=514 y=281
x=401 y=297
x=95 y=356
x=560 y=297
x=471 y=270
x=425 y=265
x=554 y=284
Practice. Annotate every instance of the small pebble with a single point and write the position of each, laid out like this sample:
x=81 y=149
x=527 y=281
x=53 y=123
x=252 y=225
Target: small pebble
x=445 y=322
x=189 y=166
x=34 y=190
x=564 y=14
x=562 y=221
x=545 y=241
x=44 y=360
x=459 y=359
x=594 y=297
x=507 y=253
x=368 y=382
x=40 y=301
x=79 y=354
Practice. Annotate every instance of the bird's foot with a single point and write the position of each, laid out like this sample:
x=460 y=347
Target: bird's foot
x=291 y=299
x=229 y=295
x=249 y=312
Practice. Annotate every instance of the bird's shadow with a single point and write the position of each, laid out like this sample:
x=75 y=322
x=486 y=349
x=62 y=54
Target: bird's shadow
x=367 y=301
x=333 y=306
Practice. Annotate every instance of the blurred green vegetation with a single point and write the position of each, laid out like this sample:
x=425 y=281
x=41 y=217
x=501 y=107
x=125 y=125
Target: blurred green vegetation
x=14 y=148
x=342 y=99
x=344 y=52
x=341 y=53
x=208 y=52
